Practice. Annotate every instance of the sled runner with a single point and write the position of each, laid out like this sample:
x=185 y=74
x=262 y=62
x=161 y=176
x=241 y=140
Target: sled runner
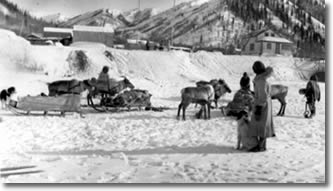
x=18 y=170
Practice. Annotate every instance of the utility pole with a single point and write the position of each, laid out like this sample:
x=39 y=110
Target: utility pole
x=139 y=4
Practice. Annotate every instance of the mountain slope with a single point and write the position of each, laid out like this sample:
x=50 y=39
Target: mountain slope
x=188 y=21
x=99 y=17
x=114 y=18
x=19 y=21
x=54 y=18
x=220 y=23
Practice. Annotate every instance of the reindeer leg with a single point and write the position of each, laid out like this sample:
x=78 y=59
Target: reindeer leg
x=204 y=110
x=238 y=142
x=89 y=99
x=184 y=111
x=208 y=108
x=284 y=108
x=281 y=106
x=179 y=108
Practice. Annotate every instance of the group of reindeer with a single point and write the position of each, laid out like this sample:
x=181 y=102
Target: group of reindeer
x=203 y=94
x=206 y=92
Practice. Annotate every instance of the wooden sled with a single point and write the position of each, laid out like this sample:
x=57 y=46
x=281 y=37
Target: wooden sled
x=62 y=104
x=128 y=99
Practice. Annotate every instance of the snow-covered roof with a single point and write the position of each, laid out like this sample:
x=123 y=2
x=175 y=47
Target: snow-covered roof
x=275 y=39
x=93 y=28
x=134 y=41
x=58 y=30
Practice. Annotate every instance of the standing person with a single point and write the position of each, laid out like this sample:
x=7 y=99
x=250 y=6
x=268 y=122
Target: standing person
x=245 y=81
x=312 y=94
x=262 y=125
x=147 y=45
x=104 y=78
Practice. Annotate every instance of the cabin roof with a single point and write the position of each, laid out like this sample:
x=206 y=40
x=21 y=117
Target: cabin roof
x=274 y=39
x=58 y=30
x=93 y=29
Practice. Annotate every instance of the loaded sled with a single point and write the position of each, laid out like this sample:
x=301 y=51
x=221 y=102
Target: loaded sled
x=111 y=95
x=134 y=98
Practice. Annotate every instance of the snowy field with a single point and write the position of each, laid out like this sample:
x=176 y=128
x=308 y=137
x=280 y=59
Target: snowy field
x=147 y=146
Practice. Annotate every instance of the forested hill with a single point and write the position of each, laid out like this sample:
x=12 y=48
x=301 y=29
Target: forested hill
x=20 y=21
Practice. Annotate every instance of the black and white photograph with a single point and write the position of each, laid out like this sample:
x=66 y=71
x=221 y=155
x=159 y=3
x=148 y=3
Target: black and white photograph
x=163 y=91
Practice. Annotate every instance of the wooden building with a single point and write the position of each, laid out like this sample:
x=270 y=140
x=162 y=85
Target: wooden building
x=97 y=34
x=57 y=32
x=266 y=42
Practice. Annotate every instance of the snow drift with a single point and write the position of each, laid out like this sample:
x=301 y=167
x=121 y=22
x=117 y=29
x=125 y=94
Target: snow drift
x=161 y=70
x=147 y=146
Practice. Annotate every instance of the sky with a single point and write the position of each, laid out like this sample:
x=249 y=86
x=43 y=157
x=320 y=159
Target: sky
x=71 y=8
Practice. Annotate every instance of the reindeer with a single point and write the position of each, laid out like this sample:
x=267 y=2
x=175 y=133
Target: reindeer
x=220 y=88
x=280 y=92
x=202 y=95
x=68 y=87
x=115 y=87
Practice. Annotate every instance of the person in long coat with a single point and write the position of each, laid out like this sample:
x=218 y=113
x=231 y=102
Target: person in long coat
x=104 y=79
x=312 y=93
x=262 y=125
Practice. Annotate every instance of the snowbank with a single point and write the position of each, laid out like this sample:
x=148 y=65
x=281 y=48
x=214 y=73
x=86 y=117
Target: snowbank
x=164 y=72
x=147 y=146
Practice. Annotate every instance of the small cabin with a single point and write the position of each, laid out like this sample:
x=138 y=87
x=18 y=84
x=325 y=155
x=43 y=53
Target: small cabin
x=104 y=35
x=266 y=42
x=60 y=33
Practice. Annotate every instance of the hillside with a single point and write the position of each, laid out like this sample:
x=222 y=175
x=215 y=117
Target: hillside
x=110 y=17
x=99 y=17
x=192 y=23
x=162 y=70
x=219 y=23
x=21 y=22
x=210 y=24
x=54 y=18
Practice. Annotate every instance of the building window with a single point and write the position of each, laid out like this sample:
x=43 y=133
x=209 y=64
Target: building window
x=273 y=35
x=269 y=46
x=251 y=47
x=267 y=34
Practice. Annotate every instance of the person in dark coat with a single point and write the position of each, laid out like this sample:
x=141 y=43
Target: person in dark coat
x=104 y=79
x=245 y=81
x=312 y=94
x=243 y=99
x=261 y=125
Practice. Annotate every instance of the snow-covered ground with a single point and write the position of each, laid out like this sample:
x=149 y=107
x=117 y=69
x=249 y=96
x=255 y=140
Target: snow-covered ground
x=147 y=146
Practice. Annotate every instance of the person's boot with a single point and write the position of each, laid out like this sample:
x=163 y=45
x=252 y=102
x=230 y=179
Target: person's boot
x=313 y=113
x=254 y=149
x=262 y=144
